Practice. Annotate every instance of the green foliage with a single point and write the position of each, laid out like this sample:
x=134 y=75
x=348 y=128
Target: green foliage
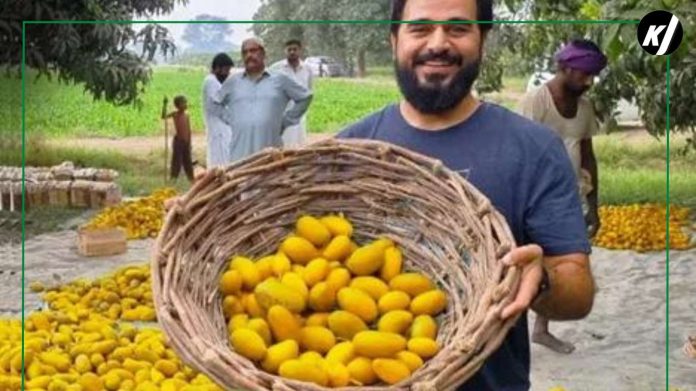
x=110 y=61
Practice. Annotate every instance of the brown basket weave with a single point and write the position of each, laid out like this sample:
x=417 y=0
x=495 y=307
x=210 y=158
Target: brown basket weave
x=445 y=227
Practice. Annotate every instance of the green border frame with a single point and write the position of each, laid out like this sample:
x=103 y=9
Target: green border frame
x=25 y=23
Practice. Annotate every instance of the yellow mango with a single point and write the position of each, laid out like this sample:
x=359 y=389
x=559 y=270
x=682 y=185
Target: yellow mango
x=112 y=381
x=412 y=360
x=373 y=286
x=342 y=352
x=232 y=305
x=412 y=283
x=312 y=357
x=82 y=364
x=345 y=324
x=377 y=344
x=365 y=260
x=260 y=326
x=315 y=271
x=238 y=321
x=265 y=266
x=429 y=303
x=57 y=360
x=338 y=374
x=246 y=267
x=338 y=278
x=280 y=264
x=299 y=250
x=423 y=347
x=168 y=367
x=313 y=230
x=294 y=281
x=424 y=326
x=318 y=339
x=318 y=318
x=231 y=282
x=38 y=382
x=283 y=324
x=298 y=370
x=394 y=300
x=278 y=354
x=252 y=306
x=273 y=292
x=390 y=371
x=361 y=372
x=337 y=225
x=358 y=302
x=338 y=249
x=383 y=243
x=249 y=344
x=396 y=321
x=393 y=261
x=322 y=297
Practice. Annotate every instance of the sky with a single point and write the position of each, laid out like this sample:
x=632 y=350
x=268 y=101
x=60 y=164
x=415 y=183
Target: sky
x=229 y=10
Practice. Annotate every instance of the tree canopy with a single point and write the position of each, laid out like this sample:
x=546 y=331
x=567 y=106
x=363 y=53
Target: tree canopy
x=110 y=60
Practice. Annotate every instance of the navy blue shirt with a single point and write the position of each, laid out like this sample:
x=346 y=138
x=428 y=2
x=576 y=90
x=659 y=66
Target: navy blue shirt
x=523 y=168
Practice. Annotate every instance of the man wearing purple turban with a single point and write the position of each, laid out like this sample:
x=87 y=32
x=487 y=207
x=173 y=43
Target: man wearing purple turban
x=561 y=105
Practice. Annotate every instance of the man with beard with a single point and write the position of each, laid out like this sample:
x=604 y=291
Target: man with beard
x=520 y=165
x=219 y=133
x=560 y=105
x=294 y=67
x=255 y=103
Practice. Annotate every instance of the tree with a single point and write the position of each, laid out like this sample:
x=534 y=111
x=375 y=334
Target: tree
x=632 y=74
x=352 y=43
x=208 y=37
x=110 y=60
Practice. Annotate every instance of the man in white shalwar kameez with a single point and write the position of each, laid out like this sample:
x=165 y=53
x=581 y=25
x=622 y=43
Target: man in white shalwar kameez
x=219 y=133
x=294 y=67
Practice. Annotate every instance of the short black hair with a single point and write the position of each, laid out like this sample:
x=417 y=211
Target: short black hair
x=222 y=60
x=484 y=12
x=178 y=100
x=293 y=41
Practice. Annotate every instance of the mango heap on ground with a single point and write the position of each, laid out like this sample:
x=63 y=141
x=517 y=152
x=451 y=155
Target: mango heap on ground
x=642 y=227
x=78 y=345
x=140 y=218
x=324 y=310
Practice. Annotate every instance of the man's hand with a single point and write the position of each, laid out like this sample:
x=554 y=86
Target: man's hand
x=528 y=258
x=592 y=222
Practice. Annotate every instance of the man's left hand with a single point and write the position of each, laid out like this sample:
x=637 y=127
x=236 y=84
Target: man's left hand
x=528 y=258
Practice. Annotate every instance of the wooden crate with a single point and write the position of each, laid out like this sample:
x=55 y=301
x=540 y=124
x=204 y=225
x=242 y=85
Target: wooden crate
x=101 y=242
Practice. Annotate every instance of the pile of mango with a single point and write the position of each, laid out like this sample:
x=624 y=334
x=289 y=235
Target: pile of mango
x=125 y=295
x=323 y=309
x=141 y=218
x=89 y=352
x=642 y=227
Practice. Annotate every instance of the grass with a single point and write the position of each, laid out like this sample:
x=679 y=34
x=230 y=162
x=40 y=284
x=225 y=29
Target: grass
x=58 y=110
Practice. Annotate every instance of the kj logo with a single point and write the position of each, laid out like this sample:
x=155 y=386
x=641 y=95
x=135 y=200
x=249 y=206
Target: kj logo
x=660 y=33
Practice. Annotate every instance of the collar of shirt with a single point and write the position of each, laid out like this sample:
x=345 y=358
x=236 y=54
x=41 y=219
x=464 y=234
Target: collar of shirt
x=286 y=64
x=263 y=74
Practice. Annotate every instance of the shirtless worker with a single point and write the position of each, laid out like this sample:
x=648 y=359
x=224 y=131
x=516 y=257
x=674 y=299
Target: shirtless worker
x=181 y=144
x=561 y=105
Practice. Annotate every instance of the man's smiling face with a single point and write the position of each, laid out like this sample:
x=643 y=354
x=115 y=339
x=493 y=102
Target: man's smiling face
x=436 y=64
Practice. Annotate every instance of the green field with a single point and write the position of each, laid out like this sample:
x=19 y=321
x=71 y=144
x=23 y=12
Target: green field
x=59 y=110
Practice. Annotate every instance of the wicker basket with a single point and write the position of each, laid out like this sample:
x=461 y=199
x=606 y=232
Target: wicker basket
x=444 y=226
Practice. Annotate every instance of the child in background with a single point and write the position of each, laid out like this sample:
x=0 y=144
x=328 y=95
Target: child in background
x=181 y=145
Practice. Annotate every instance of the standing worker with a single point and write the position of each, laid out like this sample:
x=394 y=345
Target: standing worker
x=295 y=68
x=181 y=144
x=561 y=105
x=255 y=103
x=219 y=133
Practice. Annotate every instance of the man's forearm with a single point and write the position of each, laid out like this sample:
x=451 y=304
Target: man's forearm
x=294 y=115
x=571 y=289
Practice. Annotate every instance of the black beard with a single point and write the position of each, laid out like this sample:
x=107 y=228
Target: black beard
x=221 y=78
x=437 y=97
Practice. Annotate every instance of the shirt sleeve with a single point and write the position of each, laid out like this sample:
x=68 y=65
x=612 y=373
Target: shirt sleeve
x=532 y=105
x=301 y=97
x=553 y=215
